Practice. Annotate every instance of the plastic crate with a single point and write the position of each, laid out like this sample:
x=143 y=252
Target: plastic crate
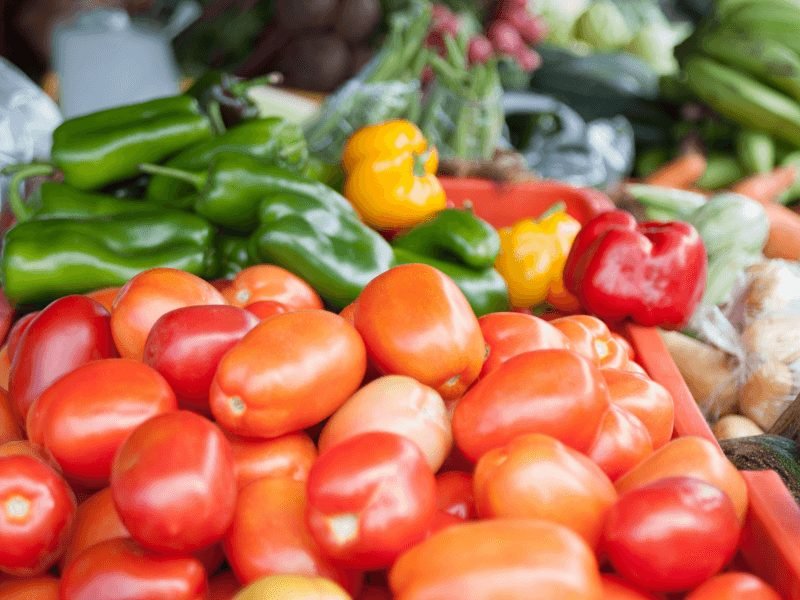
x=770 y=543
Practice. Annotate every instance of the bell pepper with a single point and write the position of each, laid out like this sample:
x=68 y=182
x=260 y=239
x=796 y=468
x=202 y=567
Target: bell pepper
x=532 y=257
x=233 y=186
x=330 y=249
x=272 y=140
x=653 y=273
x=463 y=247
x=107 y=146
x=234 y=255
x=391 y=175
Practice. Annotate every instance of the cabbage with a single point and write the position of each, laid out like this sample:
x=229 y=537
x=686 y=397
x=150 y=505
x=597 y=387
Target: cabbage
x=603 y=27
x=655 y=44
x=560 y=16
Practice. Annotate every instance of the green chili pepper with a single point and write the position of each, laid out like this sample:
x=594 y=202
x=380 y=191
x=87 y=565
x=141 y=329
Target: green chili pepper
x=234 y=255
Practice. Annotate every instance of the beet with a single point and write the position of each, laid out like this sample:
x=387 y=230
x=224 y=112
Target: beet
x=357 y=19
x=315 y=61
x=299 y=15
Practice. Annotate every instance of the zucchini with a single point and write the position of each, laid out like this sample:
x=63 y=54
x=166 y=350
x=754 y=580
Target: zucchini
x=760 y=452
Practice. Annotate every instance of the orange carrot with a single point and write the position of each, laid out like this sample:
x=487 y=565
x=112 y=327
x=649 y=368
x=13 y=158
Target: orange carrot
x=784 y=232
x=766 y=187
x=680 y=172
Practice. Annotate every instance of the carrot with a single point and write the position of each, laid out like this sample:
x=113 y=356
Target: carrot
x=784 y=232
x=766 y=187
x=680 y=172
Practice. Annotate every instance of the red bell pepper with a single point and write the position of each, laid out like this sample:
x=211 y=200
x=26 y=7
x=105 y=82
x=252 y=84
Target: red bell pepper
x=653 y=273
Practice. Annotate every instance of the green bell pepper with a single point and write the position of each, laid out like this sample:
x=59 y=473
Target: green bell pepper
x=234 y=255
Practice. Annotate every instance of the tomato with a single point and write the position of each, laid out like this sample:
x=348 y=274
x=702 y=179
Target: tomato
x=622 y=442
x=25 y=448
x=30 y=588
x=591 y=338
x=105 y=296
x=626 y=346
x=690 y=456
x=6 y=315
x=16 y=332
x=118 y=568
x=416 y=322
x=348 y=313
x=454 y=494
x=733 y=586
x=70 y=332
x=442 y=520
x=270 y=282
x=269 y=535
x=672 y=534
x=9 y=430
x=645 y=399
x=616 y=588
x=538 y=477
x=554 y=392
x=173 y=483
x=499 y=558
x=96 y=520
x=508 y=334
x=290 y=456
x=223 y=586
x=186 y=345
x=37 y=510
x=292 y=587
x=5 y=367
x=370 y=498
x=265 y=309
x=374 y=592
x=288 y=373
x=150 y=295
x=212 y=558
x=83 y=418
x=397 y=404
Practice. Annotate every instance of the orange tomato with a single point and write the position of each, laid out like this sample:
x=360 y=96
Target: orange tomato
x=97 y=520
x=25 y=448
x=270 y=282
x=616 y=588
x=147 y=297
x=5 y=367
x=622 y=442
x=264 y=309
x=292 y=587
x=30 y=588
x=510 y=559
x=105 y=296
x=397 y=404
x=690 y=456
x=733 y=586
x=538 y=477
x=348 y=313
x=290 y=456
x=645 y=399
x=288 y=373
x=9 y=429
x=590 y=337
x=416 y=322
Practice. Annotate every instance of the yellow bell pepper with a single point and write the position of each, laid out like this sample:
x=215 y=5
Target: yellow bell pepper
x=391 y=175
x=531 y=260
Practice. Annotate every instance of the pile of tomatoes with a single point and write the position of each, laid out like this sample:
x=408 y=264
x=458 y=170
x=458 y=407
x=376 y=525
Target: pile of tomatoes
x=180 y=439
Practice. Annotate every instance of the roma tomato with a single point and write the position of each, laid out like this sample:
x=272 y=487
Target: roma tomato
x=265 y=309
x=588 y=336
x=616 y=588
x=416 y=322
x=292 y=587
x=671 y=535
x=508 y=334
x=70 y=332
x=186 y=345
x=538 y=477
x=733 y=586
x=223 y=586
x=454 y=494
x=622 y=442
x=17 y=330
x=173 y=483
x=97 y=520
x=118 y=568
x=270 y=282
x=25 y=448
x=442 y=520
x=397 y=404
x=499 y=558
x=289 y=456
x=290 y=372
x=690 y=456
x=37 y=510
x=5 y=367
x=555 y=392
x=105 y=296
x=9 y=430
x=645 y=399
x=150 y=295
x=6 y=315
x=348 y=313
x=30 y=588
x=269 y=535
x=83 y=418
x=370 y=498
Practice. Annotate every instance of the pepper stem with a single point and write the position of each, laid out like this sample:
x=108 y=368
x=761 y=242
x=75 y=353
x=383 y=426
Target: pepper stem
x=554 y=208
x=195 y=179
x=215 y=116
x=21 y=210
x=419 y=163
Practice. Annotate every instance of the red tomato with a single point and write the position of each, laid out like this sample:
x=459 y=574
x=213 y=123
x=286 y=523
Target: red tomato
x=270 y=282
x=223 y=586
x=397 y=404
x=554 y=392
x=442 y=520
x=105 y=296
x=454 y=494
x=288 y=373
x=16 y=332
x=508 y=334
x=25 y=448
x=9 y=430
x=622 y=442
x=415 y=321
x=265 y=309
x=37 y=509
x=6 y=315
x=150 y=295
x=269 y=535
x=733 y=586
x=645 y=399
x=186 y=345
x=512 y=559
x=70 y=332
x=538 y=477
x=690 y=457
x=97 y=520
x=671 y=535
x=84 y=417
x=289 y=456
x=118 y=568
x=173 y=483
x=616 y=588
x=374 y=592
x=370 y=498
x=212 y=558
x=30 y=588
x=5 y=367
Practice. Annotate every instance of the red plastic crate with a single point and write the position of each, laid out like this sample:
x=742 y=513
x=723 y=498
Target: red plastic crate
x=771 y=537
